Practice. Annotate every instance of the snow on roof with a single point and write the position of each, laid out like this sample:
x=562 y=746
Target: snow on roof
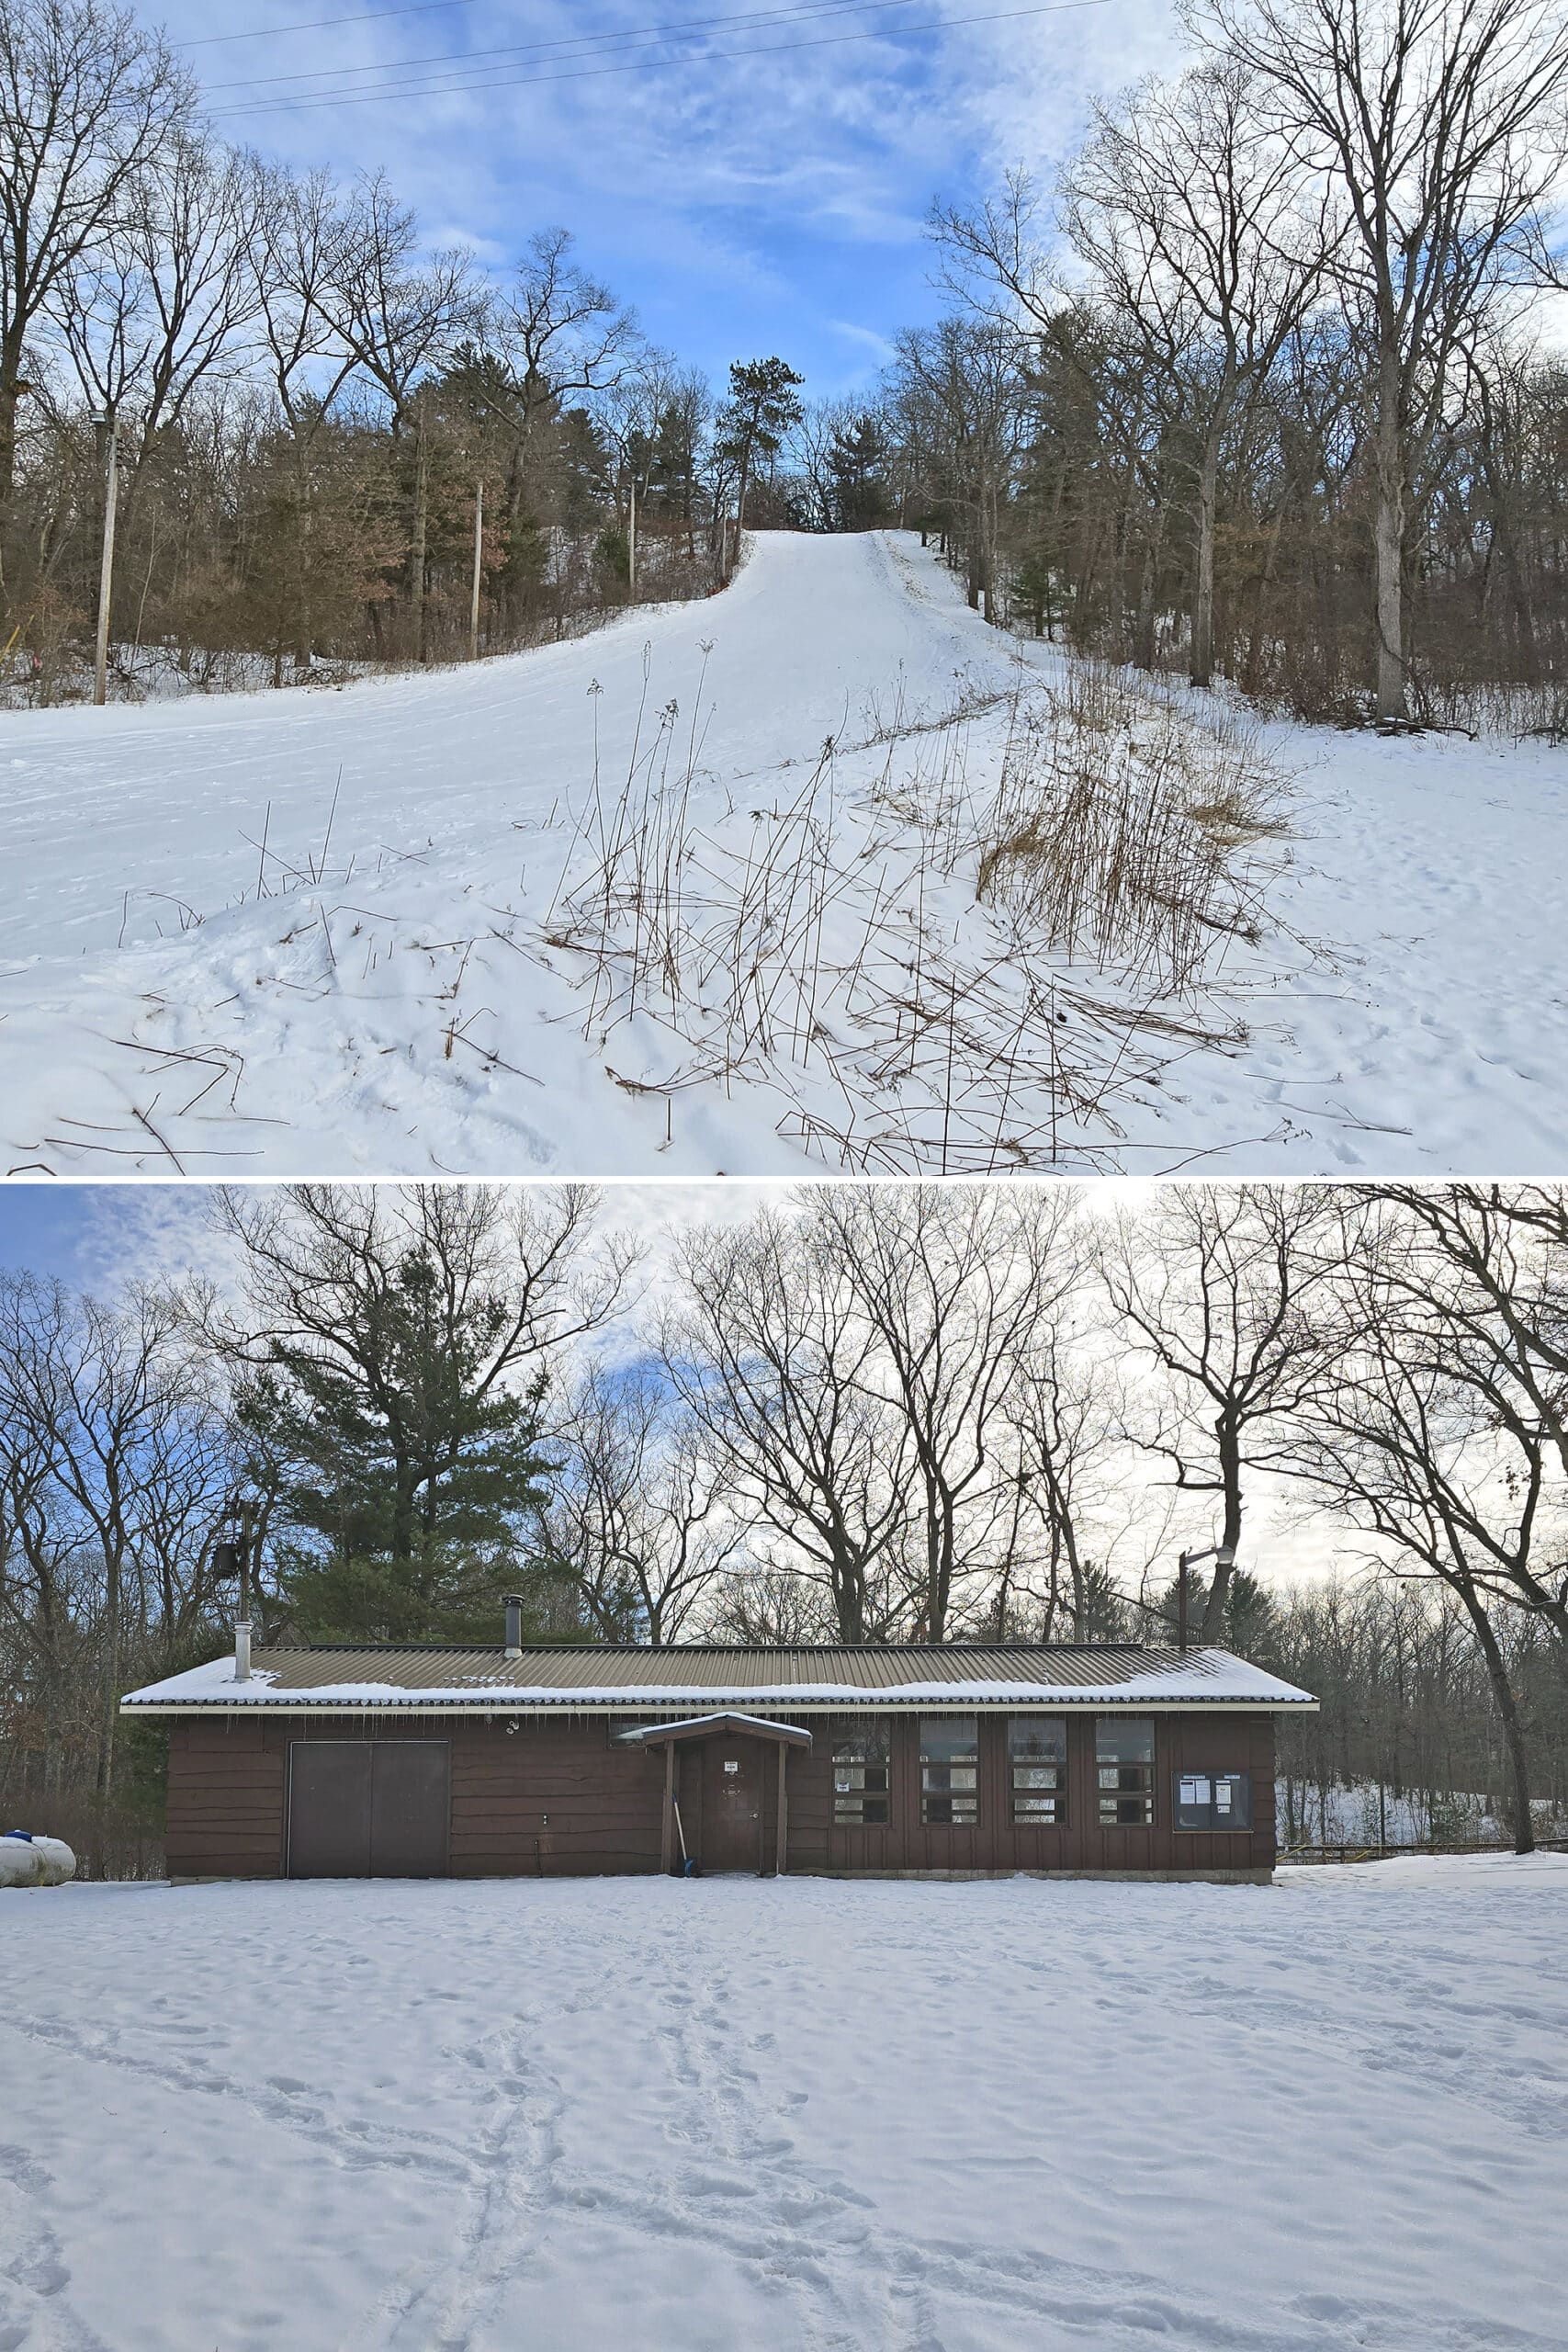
x=575 y=1677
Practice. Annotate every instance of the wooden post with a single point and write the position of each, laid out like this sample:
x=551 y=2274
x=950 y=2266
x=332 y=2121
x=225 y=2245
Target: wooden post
x=479 y=560
x=106 y=569
x=420 y=551
x=667 y=1831
x=781 y=1862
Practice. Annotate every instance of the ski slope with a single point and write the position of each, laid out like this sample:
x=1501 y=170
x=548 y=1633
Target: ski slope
x=830 y=2117
x=319 y=932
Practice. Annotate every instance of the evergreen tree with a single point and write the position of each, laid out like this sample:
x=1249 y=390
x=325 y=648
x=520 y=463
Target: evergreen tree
x=408 y=1473
x=762 y=408
x=858 y=460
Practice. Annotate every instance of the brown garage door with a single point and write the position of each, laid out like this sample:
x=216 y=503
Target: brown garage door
x=368 y=1808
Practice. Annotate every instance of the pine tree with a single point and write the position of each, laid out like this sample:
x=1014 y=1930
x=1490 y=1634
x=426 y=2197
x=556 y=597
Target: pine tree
x=762 y=408
x=858 y=460
x=407 y=1479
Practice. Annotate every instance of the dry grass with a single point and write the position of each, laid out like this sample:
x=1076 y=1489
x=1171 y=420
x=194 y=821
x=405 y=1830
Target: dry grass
x=1114 y=833
x=811 y=948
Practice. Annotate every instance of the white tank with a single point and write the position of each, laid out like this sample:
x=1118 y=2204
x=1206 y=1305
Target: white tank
x=28 y=1859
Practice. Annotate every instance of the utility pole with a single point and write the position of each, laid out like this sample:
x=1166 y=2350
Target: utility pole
x=106 y=569
x=479 y=560
x=631 y=540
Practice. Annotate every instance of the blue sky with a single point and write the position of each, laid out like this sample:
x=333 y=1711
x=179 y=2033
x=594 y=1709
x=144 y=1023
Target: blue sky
x=98 y=1236
x=745 y=204
x=95 y=1236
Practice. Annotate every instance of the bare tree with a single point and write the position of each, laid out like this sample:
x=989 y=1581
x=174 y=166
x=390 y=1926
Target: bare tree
x=164 y=302
x=958 y=1286
x=1193 y=216
x=89 y=103
x=1418 y=1448
x=556 y=332
x=1443 y=128
x=768 y=1349
x=319 y=1259
x=961 y=384
x=115 y=1460
x=401 y=317
x=1217 y=1285
x=1064 y=1415
x=641 y=1517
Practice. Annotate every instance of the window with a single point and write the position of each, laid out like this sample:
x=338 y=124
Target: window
x=950 y=1770
x=1124 y=1774
x=1213 y=1800
x=860 y=1776
x=1037 y=1756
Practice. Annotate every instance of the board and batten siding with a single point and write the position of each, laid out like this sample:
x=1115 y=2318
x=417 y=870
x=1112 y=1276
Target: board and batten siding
x=555 y=1798
x=224 y=1815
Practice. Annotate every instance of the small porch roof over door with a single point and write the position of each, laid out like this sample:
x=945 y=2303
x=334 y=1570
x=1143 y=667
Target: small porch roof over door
x=708 y=1726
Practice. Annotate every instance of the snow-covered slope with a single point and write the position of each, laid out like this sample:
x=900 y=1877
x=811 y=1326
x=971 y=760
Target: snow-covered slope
x=399 y=1000
x=694 y=2115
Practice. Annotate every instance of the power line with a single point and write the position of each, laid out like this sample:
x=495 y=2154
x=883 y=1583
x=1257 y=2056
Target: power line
x=320 y=24
x=637 y=65
x=459 y=58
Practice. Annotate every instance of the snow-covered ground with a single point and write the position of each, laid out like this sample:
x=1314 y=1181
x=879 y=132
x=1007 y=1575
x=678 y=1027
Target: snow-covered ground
x=686 y=2116
x=417 y=993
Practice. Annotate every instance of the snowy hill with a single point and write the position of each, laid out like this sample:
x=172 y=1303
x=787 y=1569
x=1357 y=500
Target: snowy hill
x=606 y=906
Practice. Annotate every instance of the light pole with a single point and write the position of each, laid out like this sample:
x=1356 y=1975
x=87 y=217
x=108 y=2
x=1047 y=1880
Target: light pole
x=105 y=567
x=479 y=570
x=1223 y=1556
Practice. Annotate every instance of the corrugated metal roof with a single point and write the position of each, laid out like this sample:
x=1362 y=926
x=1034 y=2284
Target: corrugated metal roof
x=564 y=1675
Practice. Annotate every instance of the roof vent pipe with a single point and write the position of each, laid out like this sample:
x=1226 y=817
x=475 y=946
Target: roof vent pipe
x=514 y=1625
x=242 y=1650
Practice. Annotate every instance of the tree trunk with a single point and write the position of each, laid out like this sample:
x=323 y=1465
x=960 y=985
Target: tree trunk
x=1513 y=1731
x=420 y=531
x=1229 y=1450
x=11 y=390
x=1203 y=585
x=1389 y=567
x=1143 y=628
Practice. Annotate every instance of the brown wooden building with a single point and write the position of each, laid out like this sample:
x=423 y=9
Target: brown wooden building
x=420 y=1761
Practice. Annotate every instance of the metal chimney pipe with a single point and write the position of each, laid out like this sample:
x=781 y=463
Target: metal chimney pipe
x=242 y=1650
x=514 y=1625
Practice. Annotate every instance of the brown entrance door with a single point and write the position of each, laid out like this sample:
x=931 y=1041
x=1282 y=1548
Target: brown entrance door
x=732 y=1805
x=363 y=1808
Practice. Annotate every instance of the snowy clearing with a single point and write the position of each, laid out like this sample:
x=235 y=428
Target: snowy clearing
x=692 y=2116
x=606 y=907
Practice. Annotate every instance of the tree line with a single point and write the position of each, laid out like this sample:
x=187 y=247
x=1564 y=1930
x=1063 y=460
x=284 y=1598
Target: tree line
x=862 y=1414
x=322 y=444
x=1253 y=386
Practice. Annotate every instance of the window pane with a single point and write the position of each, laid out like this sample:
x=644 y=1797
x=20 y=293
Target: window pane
x=1124 y=1771
x=1037 y=1751
x=860 y=1778
x=1042 y=1737
x=1123 y=1740
x=950 y=1739
x=950 y=1777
